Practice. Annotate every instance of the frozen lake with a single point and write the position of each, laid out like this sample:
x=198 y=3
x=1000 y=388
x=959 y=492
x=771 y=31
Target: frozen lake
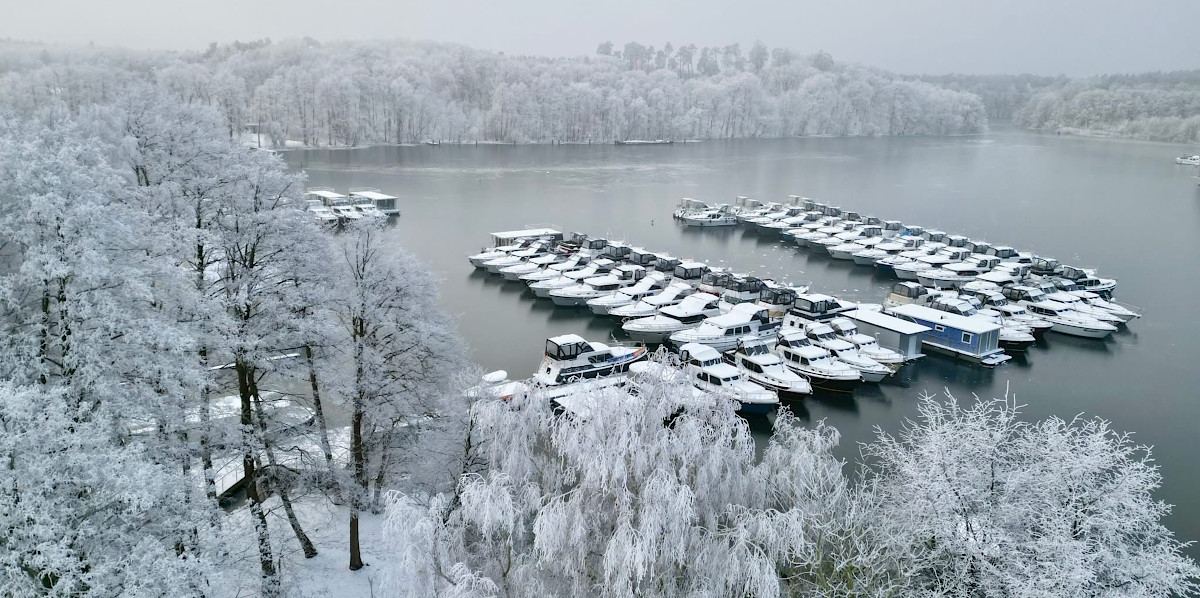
x=1121 y=206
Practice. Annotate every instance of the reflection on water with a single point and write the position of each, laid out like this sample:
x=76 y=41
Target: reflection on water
x=1009 y=187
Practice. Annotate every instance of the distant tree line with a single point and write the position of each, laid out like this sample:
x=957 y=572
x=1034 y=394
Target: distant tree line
x=355 y=93
x=1157 y=106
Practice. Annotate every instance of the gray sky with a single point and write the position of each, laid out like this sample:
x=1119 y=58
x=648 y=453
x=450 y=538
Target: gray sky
x=911 y=36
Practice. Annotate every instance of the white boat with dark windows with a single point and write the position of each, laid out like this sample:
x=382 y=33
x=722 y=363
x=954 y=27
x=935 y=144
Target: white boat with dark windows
x=575 y=262
x=596 y=268
x=688 y=206
x=1068 y=321
x=688 y=313
x=336 y=202
x=599 y=286
x=912 y=270
x=888 y=248
x=386 y=204
x=814 y=307
x=504 y=242
x=1187 y=160
x=952 y=276
x=689 y=273
x=653 y=283
x=1126 y=314
x=570 y=357
x=819 y=366
x=722 y=332
x=993 y=299
x=847 y=330
x=648 y=306
x=755 y=360
x=320 y=212
x=538 y=249
x=1087 y=279
x=710 y=218
x=822 y=335
x=711 y=374
x=535 y=264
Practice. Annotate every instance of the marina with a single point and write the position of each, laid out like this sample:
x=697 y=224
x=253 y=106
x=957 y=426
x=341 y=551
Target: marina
x=733 y=313
x=959 y=185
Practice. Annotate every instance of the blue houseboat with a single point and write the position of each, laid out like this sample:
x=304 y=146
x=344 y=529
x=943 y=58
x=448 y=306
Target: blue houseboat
x=963 y=337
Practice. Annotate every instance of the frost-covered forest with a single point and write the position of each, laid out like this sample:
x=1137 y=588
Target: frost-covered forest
x=1155 y=106
x=348 y=94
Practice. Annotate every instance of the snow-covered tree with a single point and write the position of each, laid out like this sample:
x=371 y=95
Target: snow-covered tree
x=404 y=352
x=975 y=502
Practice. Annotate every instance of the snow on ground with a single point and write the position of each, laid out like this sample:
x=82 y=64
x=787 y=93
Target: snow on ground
x=326 y=575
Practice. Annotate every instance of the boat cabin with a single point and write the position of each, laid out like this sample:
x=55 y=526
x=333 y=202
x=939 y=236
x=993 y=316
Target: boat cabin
x=742 y=290
x=873 y=221
x=1049 y=309
x=833 y=211
x=742 y=319
x=984 y=262
x=974 y=339
x=616 y=250
x=1023 y=293
x=809 y=205
x=852 y=216
x=913 y=231
x=688 y=204
x=326 y=194
x=934 y=236
x=747 y=203
x=908 y=292
x=666 y=263
x=690 y=271
x=629 y=272
x=954 y=305
x=1045 y=266
x=893 y=226
x=566 y=347
x=777 y=295
x=698 y=355
x=509 y=237
x=642 y=257
x=1002 y=251
x=901 y=336
x=595 y=244
x=383 y=202
x=956 y=241
x=815 y=307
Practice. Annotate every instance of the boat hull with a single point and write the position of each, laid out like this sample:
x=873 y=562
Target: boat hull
x=1080 y=331
x=756 y=408
x=569 y=300
x=842 y=385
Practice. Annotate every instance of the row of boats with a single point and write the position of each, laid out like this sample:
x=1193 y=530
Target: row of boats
x=330 y=207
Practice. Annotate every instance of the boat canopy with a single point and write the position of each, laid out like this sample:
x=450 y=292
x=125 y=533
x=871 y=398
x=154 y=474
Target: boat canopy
x=509 y=236
x=690 y=270
x=326 y=194
x=567 y=346
x=372 y=194
x=777 y=295
x=909 y=290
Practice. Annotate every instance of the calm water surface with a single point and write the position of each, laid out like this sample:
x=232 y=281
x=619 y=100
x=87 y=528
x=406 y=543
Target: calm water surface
x=1121 y=206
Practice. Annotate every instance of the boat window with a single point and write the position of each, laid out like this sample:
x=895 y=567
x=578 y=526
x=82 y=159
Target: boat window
x=731 y=331
x=598 y=358
x=966 y=337
x=714 y=380
x=753 y=367
x=939 y=328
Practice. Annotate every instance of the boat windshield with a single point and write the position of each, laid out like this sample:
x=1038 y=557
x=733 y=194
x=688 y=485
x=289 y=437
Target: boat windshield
x=755 y=349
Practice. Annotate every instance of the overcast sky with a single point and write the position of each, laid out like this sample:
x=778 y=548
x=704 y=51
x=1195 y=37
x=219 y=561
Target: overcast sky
x=1074 y=37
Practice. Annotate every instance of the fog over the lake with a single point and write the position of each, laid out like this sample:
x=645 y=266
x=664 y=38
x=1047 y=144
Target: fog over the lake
x=1073 y=37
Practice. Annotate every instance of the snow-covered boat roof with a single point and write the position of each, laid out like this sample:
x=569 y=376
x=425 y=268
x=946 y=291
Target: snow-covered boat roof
x=567 y=339
x=529 y=232
x=928 y=314
x=326 y=193
x=374 y=195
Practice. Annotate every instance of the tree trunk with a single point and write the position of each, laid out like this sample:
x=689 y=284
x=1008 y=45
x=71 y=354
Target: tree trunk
x=270 y=580
x=360 y=483
x=305 y=544
x=210 y=483
x=322 y=427
x=381 y=474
